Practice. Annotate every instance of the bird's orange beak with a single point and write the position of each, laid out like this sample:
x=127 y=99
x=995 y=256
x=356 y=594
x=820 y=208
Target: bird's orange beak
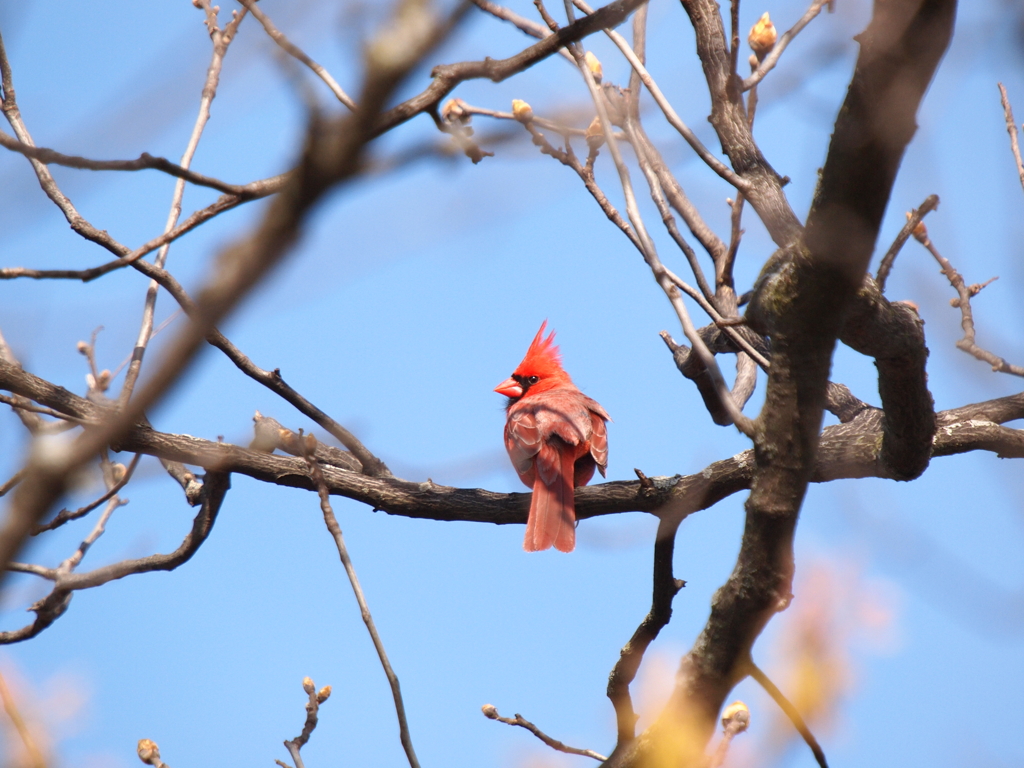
x=509 y=388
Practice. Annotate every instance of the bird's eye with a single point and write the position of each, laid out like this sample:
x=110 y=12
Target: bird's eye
x=533 y=379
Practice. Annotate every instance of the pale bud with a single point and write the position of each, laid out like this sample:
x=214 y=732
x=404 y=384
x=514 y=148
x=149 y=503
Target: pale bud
x=920 y=231
x=118 y=471
x=594 y=134
x=307 y=685
x=149 y=752
x=522 y=111
x=83 y=348
x=104 y=380
x=323 y=694
x=762 y=36
x=454 y=111
x=736 y=717
x=490 y=711
x=594 y=65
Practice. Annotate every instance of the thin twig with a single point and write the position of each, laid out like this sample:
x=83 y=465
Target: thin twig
x=145 y=161
x=773 y=58
x=491 y=713
x=670 y=114
x=65 y=516
x=641 y=146
x=16 y=403
x=721 y=322
x=742 y=422
x=293 y=50
x=548 y=125
x=316 y=698
x=523 y=24
x=66 y=581
x=665 y=588
x=221 y=40
x=586 y=173
x=98 y=530
x=791 y=712
x=965 y=292
x=126 y=257
x=316 y=474
x=50 y=574
x=916 y=217
x=1011 y=128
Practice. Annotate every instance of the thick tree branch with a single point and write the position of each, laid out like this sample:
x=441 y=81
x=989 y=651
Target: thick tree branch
x=808 y=297
x=847 y=450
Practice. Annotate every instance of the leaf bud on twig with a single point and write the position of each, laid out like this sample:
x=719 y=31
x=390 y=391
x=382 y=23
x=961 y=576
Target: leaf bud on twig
x=594 y=65
x=307 y=685
x=83 y=348
x=920 y=231
x=736 y=718
x=522 y=111
x=594 y=134
x=762 y=36
x=490 y=711
x=149 y=752
x=454 y=111
x=323 y=694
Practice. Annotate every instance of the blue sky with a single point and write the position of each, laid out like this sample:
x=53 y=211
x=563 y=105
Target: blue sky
x=411 y=295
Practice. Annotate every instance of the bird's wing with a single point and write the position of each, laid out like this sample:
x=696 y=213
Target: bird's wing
x=599 y=441
x=522 y=441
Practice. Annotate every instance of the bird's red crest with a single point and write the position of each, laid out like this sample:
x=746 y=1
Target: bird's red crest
x=542 y=358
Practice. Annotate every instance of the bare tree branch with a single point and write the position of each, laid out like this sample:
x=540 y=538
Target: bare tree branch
x=670 y=114
x=145 y=161
x=316 y=698
x=293 y=50
x=900 y=51
x=1011 y=128
x=66 y=581
x=965 y=292
x=331 y=521
x=331 y=157
x=491 y=713
x=666 y=587
x=914 y=218
x=66 y=515
x=448 y=76
x=221 y=40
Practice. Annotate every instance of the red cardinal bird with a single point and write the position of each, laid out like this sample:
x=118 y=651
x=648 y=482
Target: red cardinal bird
x=555 y=436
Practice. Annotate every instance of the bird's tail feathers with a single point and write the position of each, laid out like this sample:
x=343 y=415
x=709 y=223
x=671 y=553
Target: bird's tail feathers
x=552 y=520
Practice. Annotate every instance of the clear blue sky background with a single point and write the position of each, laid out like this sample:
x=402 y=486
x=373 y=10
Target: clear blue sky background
x=411 y=296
